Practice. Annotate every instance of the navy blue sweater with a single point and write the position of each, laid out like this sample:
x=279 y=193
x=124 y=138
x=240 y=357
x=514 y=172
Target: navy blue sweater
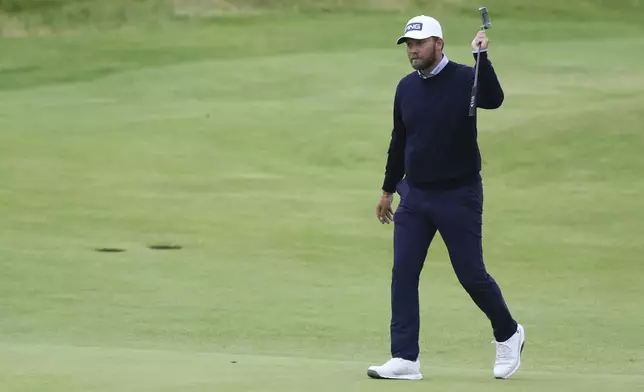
x=434 y=140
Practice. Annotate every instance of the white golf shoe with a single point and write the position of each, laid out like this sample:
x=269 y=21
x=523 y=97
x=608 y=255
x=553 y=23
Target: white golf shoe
x=508 y=355
x=397 y=369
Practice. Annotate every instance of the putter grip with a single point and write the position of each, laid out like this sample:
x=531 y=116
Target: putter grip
x=473 y=101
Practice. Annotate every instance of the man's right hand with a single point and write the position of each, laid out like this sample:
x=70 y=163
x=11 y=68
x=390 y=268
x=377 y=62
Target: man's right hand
x=384 y=213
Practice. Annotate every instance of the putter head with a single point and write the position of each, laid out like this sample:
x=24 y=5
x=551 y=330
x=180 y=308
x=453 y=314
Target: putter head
x=485 y=19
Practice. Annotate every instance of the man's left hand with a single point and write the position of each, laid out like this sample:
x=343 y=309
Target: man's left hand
x=480 y=39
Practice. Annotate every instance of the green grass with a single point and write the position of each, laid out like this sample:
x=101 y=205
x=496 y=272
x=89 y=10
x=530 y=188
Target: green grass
x=47 y=17
x=258 y=143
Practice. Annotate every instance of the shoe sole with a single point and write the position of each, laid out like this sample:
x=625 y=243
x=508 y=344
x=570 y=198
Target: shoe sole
x=374 y=374
x=518 y=363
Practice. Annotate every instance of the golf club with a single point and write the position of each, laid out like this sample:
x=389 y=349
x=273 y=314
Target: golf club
x=485 y=24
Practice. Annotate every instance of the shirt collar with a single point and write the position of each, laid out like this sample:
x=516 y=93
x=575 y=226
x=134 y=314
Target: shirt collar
x=436 y=70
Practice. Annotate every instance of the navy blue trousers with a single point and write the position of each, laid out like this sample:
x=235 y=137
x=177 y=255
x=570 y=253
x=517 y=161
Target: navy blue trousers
x=455 y=211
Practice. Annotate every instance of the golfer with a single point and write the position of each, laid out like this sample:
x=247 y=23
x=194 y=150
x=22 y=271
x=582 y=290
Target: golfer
x=434 y=147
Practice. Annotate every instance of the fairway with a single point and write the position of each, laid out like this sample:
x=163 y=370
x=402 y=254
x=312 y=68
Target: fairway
x=257 y=141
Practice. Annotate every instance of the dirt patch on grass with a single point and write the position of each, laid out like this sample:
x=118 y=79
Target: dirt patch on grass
x=11 y=26
x=395 y=5
x=209 y=8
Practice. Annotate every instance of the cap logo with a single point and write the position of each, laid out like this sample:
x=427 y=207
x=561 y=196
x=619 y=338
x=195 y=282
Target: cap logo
x=413 y=26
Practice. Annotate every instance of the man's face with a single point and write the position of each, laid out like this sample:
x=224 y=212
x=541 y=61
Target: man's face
x=423 y=52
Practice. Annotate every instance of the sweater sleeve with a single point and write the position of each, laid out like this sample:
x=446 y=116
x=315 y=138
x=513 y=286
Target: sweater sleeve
x=395 y=167
x=490 y=94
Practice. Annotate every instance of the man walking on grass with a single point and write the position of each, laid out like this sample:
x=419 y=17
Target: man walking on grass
x=434 y=147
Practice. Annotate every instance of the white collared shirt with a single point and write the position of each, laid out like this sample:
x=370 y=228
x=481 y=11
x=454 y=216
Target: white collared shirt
x=436 y=70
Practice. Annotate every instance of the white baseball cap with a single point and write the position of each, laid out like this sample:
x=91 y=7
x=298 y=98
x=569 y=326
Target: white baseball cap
x=421 y=27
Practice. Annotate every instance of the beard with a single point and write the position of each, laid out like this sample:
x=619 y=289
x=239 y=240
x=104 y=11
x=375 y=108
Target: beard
x=421 y=64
